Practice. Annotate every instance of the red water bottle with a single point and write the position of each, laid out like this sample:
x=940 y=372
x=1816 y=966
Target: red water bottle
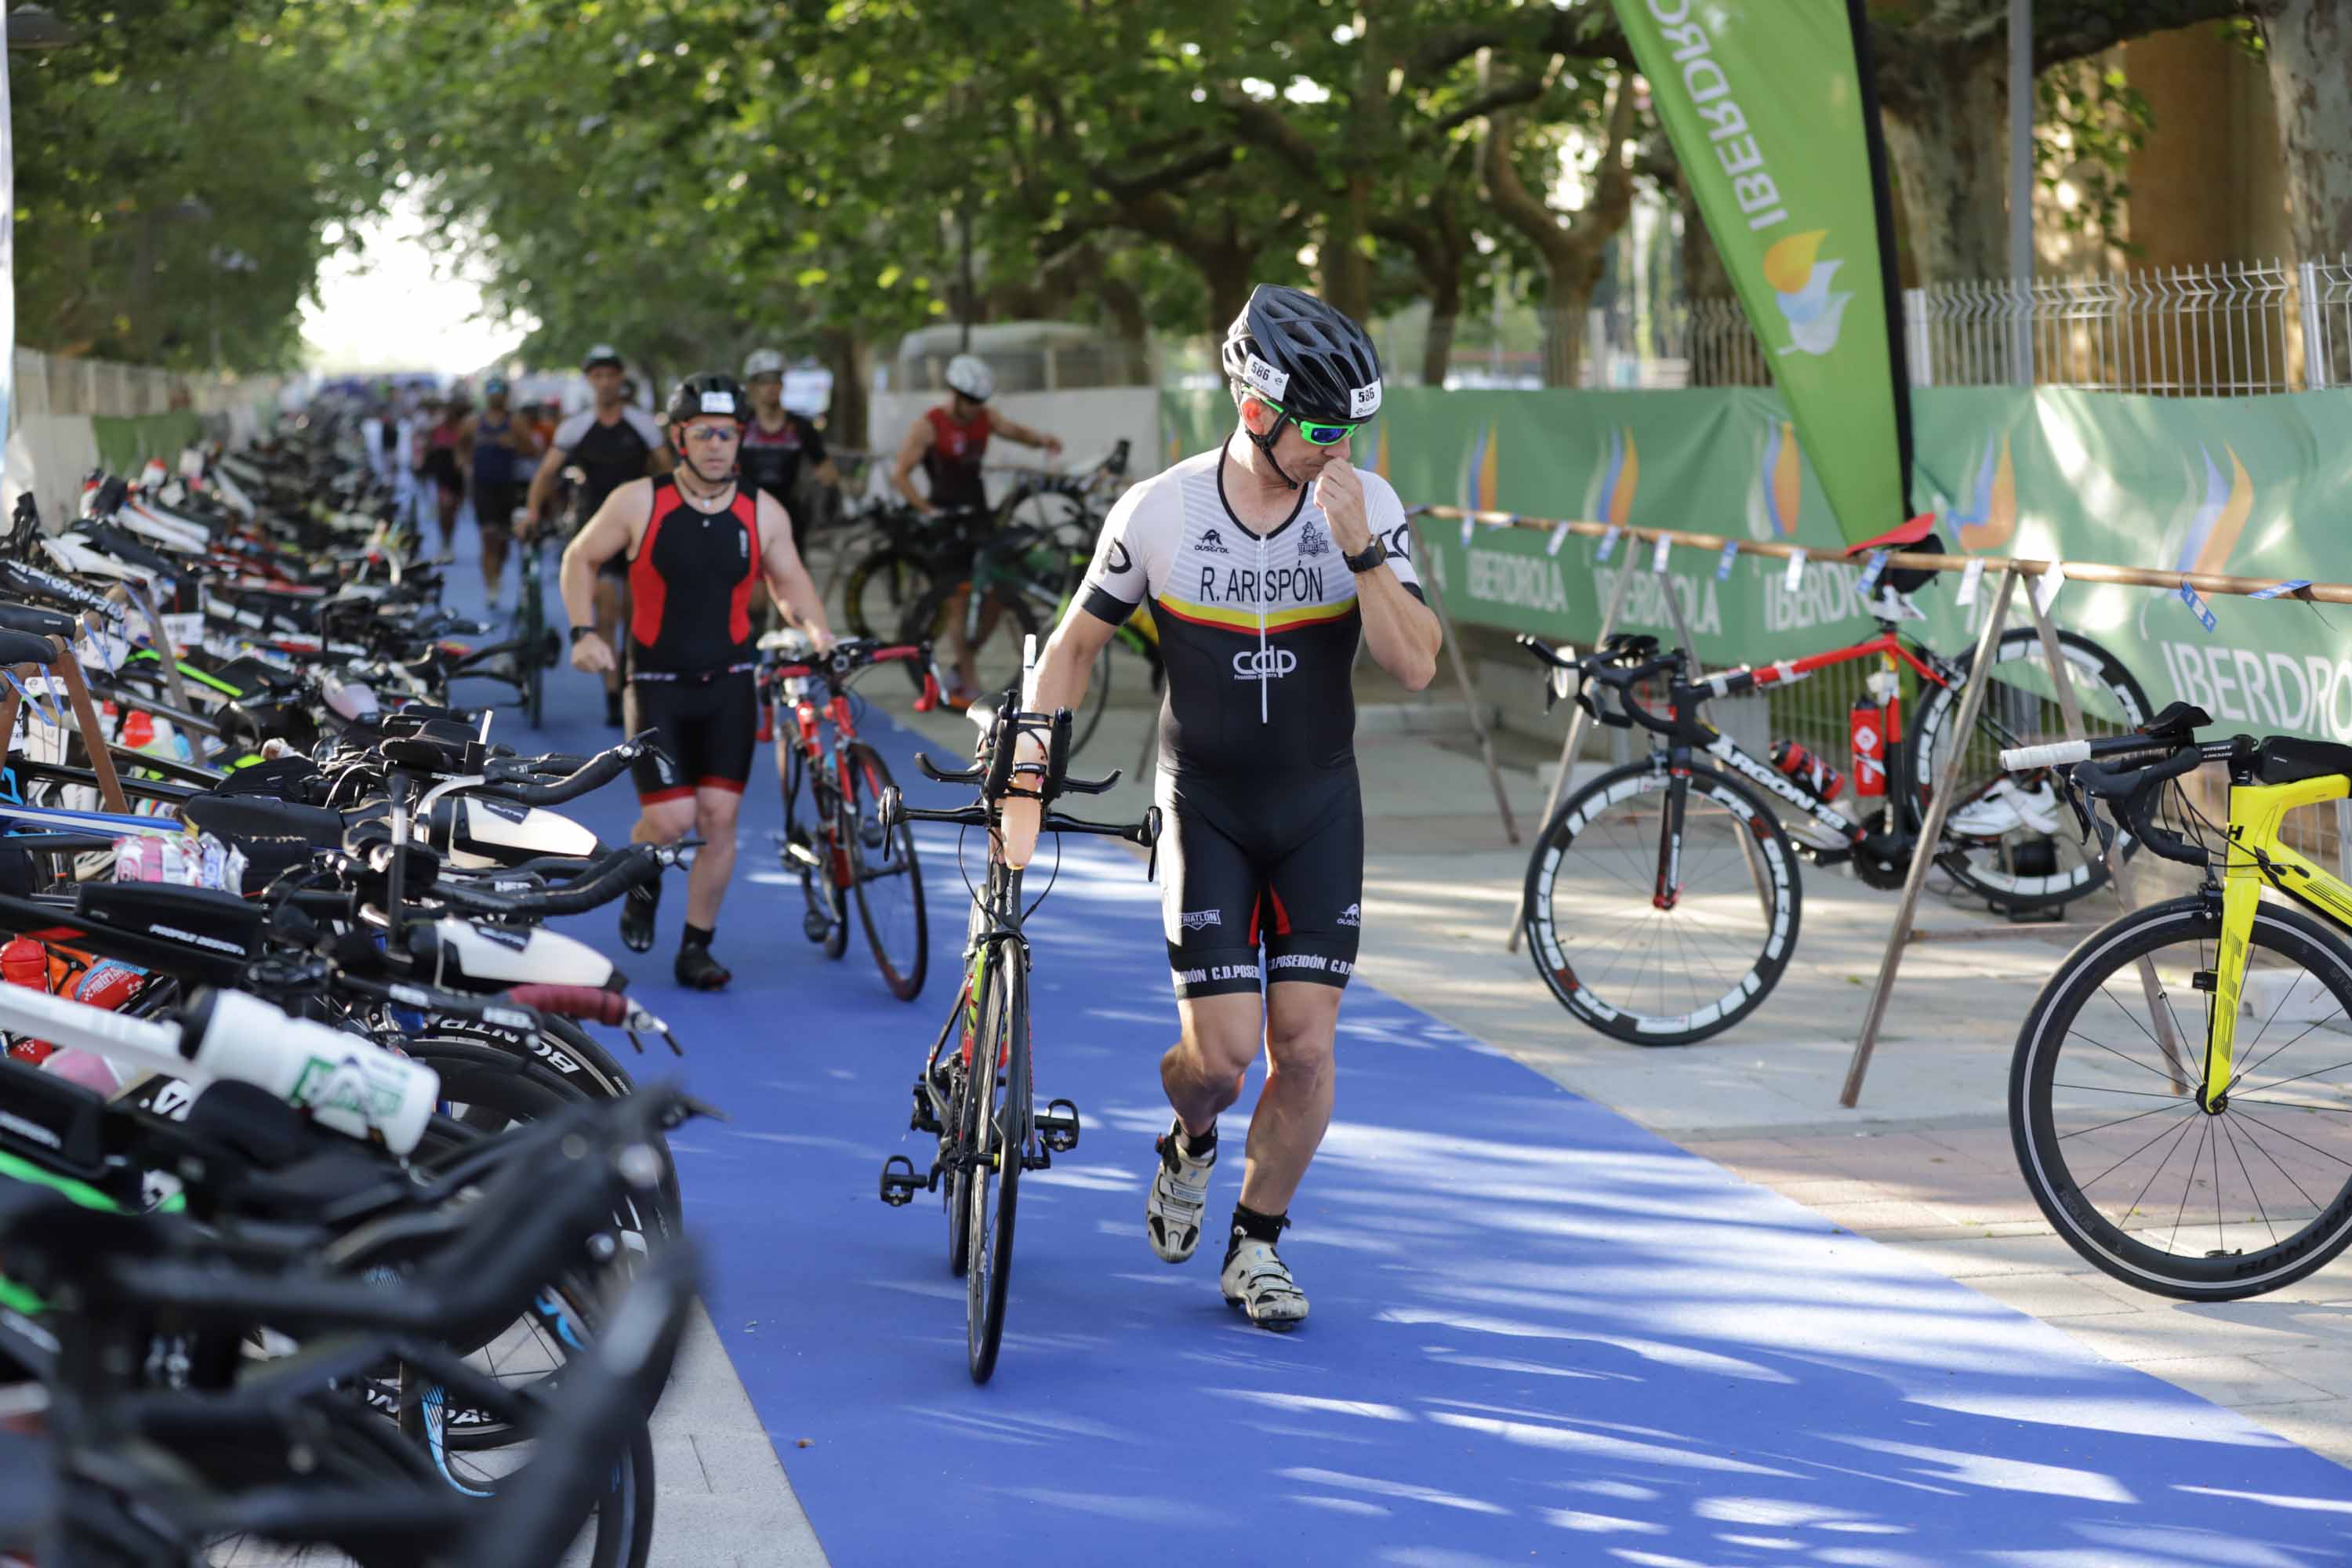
x=1811 y=775
x=1866 y=728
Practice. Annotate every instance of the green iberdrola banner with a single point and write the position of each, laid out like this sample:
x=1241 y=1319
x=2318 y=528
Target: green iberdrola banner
x=1775 y=123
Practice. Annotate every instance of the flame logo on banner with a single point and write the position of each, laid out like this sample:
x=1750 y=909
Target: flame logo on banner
x=1478 y=474
x=2205 y=528
x=1777 y=492
x=1801 y=283
x=2221 y=515
x=1610 y=497
x=1990 y=518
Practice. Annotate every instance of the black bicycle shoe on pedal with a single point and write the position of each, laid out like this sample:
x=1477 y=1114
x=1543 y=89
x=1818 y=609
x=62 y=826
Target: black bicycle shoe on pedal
x=637 y=910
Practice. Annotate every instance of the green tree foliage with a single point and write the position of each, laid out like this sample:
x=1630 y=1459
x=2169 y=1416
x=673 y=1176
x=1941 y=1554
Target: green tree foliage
x=180 y=174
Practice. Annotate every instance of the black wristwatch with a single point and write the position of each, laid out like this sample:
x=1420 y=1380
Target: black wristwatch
x=579 y=632
x=1372 y=555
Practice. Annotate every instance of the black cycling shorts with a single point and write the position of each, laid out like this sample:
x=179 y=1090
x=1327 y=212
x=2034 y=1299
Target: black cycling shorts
x=1274 y=863
x=494 y=507
x=708 y=726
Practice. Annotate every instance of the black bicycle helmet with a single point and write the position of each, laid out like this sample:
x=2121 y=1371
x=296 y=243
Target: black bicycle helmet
x=1303 y=354
x=712 y=392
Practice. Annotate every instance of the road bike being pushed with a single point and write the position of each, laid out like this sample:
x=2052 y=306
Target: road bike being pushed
x=1663 y=898
x=974 y=1093
x=2181 y=1099
x=850 y=854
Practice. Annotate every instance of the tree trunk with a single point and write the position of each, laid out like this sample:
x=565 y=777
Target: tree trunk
x=846 y=414
x=1437 y=348
x=1226 y=270
x=1345 y=272
x=2309 y=42
x=1950 y=155
x=1567 y=294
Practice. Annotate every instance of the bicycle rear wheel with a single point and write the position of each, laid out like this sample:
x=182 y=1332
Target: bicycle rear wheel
x=2111 y=1130
x=878 y=588
x=1000 y=1127
x=890 y=882
x=2008 y=840
x=990 y=634
x=1652 y=942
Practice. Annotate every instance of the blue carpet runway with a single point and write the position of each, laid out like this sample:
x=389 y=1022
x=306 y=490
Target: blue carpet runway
x=1539 y=1332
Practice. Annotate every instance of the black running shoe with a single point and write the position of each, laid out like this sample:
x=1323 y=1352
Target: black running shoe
x=637 y=910
x=697 y=971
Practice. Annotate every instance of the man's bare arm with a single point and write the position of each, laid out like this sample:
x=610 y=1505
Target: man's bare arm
x=910 y=455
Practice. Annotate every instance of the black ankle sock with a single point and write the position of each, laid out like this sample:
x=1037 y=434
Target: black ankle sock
x=1201 y=1147
x=697 y=936
x=1251 y=1226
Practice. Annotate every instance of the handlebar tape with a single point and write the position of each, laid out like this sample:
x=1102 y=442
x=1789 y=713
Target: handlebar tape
x=584 y=1001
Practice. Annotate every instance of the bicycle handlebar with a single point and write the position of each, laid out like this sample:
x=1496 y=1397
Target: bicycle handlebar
x=506 y=780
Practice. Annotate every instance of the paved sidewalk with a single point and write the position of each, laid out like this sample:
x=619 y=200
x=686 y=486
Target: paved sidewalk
x=1923 y=1165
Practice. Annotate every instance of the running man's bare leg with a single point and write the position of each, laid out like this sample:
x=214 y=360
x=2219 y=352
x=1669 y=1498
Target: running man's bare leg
x=1294 y=1111
x=1203 y=1071
x=714 y=863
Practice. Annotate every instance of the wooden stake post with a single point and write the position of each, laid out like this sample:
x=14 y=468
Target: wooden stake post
x=1923 y=856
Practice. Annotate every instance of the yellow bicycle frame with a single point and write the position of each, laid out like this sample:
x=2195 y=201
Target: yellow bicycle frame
x=2256 y=812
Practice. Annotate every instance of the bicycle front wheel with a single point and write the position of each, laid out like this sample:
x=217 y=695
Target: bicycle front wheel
x=890 y=878
x=877 y=589
x=1662 y=910
x=2115 y=1141
x=2003 y=840
x=999 y=1123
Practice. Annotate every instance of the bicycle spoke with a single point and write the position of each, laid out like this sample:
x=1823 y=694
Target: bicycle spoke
x=2238 y=1154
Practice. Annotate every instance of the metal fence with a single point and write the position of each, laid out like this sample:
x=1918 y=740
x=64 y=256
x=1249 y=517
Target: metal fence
x=47 y=384
x=2226 y=330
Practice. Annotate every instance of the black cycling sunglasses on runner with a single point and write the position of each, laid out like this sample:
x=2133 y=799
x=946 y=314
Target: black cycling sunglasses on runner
x=1316 y=435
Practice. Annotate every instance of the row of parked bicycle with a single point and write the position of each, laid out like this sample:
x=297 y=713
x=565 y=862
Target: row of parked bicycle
x=326 y=1220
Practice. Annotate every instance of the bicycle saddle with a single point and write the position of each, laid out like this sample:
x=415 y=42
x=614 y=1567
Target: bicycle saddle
x=2291 y=759
x=220 y=923
x=38 y=622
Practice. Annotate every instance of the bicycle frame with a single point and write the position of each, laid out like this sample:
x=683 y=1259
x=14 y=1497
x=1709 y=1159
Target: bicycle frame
x=2258 y=856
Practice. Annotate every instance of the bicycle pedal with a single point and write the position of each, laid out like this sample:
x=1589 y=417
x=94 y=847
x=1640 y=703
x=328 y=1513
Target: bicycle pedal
x=899 y=1183
x=871 y=834
x=815 y=926
x=802 y=855
x=1057 y=1126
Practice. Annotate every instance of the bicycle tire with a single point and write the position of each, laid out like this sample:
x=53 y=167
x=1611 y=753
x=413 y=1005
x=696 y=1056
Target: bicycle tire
x=2319 y=951
x=835 y=880
x=2112 y=698
x=869 y=775
x=898 y=574
x=1774 y=872
x=1000 y=1121
x=1087 y=718
x=998 y=653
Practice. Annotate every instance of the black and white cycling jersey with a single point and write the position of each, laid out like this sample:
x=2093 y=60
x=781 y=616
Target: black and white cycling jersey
x=1258 y=632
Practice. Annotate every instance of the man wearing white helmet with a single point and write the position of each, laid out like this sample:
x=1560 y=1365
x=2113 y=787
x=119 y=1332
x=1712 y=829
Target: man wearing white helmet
x=947 y=443
x=777 y=441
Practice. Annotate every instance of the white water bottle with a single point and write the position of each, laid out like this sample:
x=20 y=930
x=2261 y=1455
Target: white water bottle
x=339 y=1080
x=1023 y=814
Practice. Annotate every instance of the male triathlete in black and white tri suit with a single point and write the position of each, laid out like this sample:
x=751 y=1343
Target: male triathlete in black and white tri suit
x=611 y=442
x=1264 y=561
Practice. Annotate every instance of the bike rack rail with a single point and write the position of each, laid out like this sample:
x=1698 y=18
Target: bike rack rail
x=2010 y=569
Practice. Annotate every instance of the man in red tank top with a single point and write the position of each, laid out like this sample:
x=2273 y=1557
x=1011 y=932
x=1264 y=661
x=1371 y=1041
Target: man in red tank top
x=698 y=548
x=947 y=443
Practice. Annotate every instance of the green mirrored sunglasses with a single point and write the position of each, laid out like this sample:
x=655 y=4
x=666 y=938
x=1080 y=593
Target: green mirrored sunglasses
x=1315 y=435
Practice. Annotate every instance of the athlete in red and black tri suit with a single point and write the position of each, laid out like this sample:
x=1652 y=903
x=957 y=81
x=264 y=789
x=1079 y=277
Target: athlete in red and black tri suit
x=696 y=548
x=778 y=443
x=949 y=444
x=611 y=442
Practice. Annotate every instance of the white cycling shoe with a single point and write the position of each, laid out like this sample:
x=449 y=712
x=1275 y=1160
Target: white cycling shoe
x=2004 y=809
x=1180 y=1191
x=1258 y=1282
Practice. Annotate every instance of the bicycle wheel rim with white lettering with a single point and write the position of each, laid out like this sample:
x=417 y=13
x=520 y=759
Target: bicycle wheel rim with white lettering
x=2029 y=867
x=2114 y=1139
x=1653 y=971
